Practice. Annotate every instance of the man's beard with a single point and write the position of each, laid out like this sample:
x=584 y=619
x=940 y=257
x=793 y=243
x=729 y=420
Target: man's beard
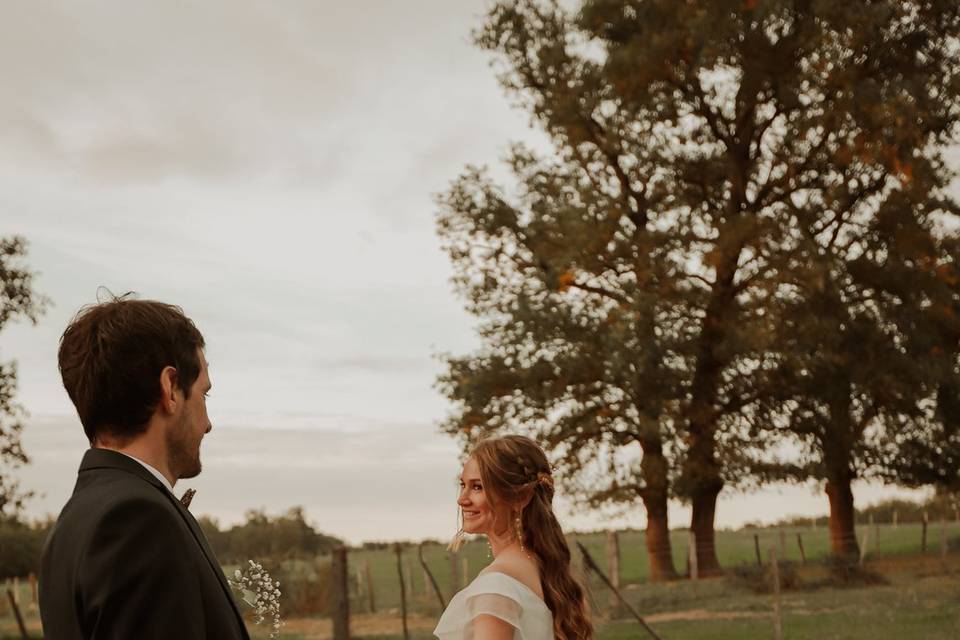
x=183 y=455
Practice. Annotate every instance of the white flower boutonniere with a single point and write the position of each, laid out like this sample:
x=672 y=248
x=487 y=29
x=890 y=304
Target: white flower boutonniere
x=261 y=592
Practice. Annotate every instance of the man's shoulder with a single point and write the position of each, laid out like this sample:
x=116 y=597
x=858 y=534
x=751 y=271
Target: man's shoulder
x=115 y=493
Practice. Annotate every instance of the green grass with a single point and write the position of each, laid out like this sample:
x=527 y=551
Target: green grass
x=920 y=601
x=734 y=548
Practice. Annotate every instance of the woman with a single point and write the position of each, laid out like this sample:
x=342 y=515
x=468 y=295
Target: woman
x=528 y=591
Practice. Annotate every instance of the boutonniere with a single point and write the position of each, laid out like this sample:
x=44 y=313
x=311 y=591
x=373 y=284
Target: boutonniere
x=261 y=592
x=187 y=497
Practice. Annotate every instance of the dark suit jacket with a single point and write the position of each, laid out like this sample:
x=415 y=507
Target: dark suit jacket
x=127 y=560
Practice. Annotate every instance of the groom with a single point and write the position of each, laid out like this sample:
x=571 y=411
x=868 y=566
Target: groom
x=125 y=558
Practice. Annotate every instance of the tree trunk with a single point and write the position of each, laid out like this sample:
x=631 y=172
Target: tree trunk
x=838 y=458
x=702 y=469
x=704 y=503
x=843 y=534
x=655 y=496
x=659 y=554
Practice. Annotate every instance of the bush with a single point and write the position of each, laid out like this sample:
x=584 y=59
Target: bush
x=21 y=544
x=760 y=579
x=305 y=588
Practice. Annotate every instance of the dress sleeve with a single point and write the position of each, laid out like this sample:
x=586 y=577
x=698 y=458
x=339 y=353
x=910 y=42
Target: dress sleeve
x=492 y=604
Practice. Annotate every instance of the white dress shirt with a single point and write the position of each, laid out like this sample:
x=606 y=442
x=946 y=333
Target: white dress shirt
x=159 y=476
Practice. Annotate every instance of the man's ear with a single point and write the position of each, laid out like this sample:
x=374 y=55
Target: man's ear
x=169 y=390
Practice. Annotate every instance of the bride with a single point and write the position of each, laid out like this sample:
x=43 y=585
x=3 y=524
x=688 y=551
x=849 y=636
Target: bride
x=528 y=591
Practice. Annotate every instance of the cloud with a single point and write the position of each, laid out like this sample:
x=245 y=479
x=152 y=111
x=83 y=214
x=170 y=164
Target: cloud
x=368 y=363
x=300 y=91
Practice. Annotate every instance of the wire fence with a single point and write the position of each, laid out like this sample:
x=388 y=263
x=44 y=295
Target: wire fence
x=402 y=581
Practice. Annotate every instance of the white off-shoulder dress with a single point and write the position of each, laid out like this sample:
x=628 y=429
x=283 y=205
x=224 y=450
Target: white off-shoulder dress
x=501 y=596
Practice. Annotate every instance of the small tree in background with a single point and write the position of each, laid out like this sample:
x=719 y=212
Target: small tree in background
x=18 y=299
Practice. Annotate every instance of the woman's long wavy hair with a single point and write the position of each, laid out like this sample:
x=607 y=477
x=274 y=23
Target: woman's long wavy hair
x=514 y=470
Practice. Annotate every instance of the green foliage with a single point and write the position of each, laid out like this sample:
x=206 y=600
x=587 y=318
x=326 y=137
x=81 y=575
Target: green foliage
x=267 y=539
x=17 y=300
x=737 y=237
x=21 y=544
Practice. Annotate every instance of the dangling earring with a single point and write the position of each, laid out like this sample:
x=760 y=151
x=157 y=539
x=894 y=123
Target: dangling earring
x=489 y=550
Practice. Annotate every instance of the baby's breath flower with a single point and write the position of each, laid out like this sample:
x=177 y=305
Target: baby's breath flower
x=261 y=592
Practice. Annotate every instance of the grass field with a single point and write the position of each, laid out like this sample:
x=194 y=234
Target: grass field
x=733 y=548
x=920 y=600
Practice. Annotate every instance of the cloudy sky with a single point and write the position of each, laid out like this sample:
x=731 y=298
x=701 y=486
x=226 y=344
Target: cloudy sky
x=269 y=167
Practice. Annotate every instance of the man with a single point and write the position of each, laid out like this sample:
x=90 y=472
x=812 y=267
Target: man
x=125 y=558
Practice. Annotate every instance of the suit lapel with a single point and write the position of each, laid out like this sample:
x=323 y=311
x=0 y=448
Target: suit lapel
x=207 y=551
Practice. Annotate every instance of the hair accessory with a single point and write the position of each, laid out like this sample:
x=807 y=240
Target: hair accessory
x=545 y=479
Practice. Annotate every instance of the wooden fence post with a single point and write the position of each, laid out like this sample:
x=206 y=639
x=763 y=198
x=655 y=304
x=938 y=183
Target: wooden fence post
x=358 y=579
x=16 y=613
x=777 y=613
x=370 y=591
x=863 y=546
x=692 y=549
x=923 y=534
x=590 y=564
x=341 y=595
x=403 y=590
x=426 y=581
x=943 y=539
x=803 y=556
x=433 y=581
x=613 y=566
x=756 y=547
x=409 y=575
x=454 y=573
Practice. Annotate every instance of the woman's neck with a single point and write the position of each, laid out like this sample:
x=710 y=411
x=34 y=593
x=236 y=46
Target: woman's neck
x=499 y=544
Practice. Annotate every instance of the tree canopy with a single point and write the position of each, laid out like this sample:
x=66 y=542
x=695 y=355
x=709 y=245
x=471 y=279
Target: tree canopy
x=661 y=294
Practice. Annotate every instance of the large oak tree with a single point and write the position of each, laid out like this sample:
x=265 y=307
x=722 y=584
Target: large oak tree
x=635 y=282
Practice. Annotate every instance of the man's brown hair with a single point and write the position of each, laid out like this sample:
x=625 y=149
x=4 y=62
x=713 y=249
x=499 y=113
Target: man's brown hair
x=111 y=356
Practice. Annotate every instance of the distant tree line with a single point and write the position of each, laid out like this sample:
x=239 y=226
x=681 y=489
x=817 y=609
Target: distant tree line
x=267 y=538
x=938 y=507
x=264 y=538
